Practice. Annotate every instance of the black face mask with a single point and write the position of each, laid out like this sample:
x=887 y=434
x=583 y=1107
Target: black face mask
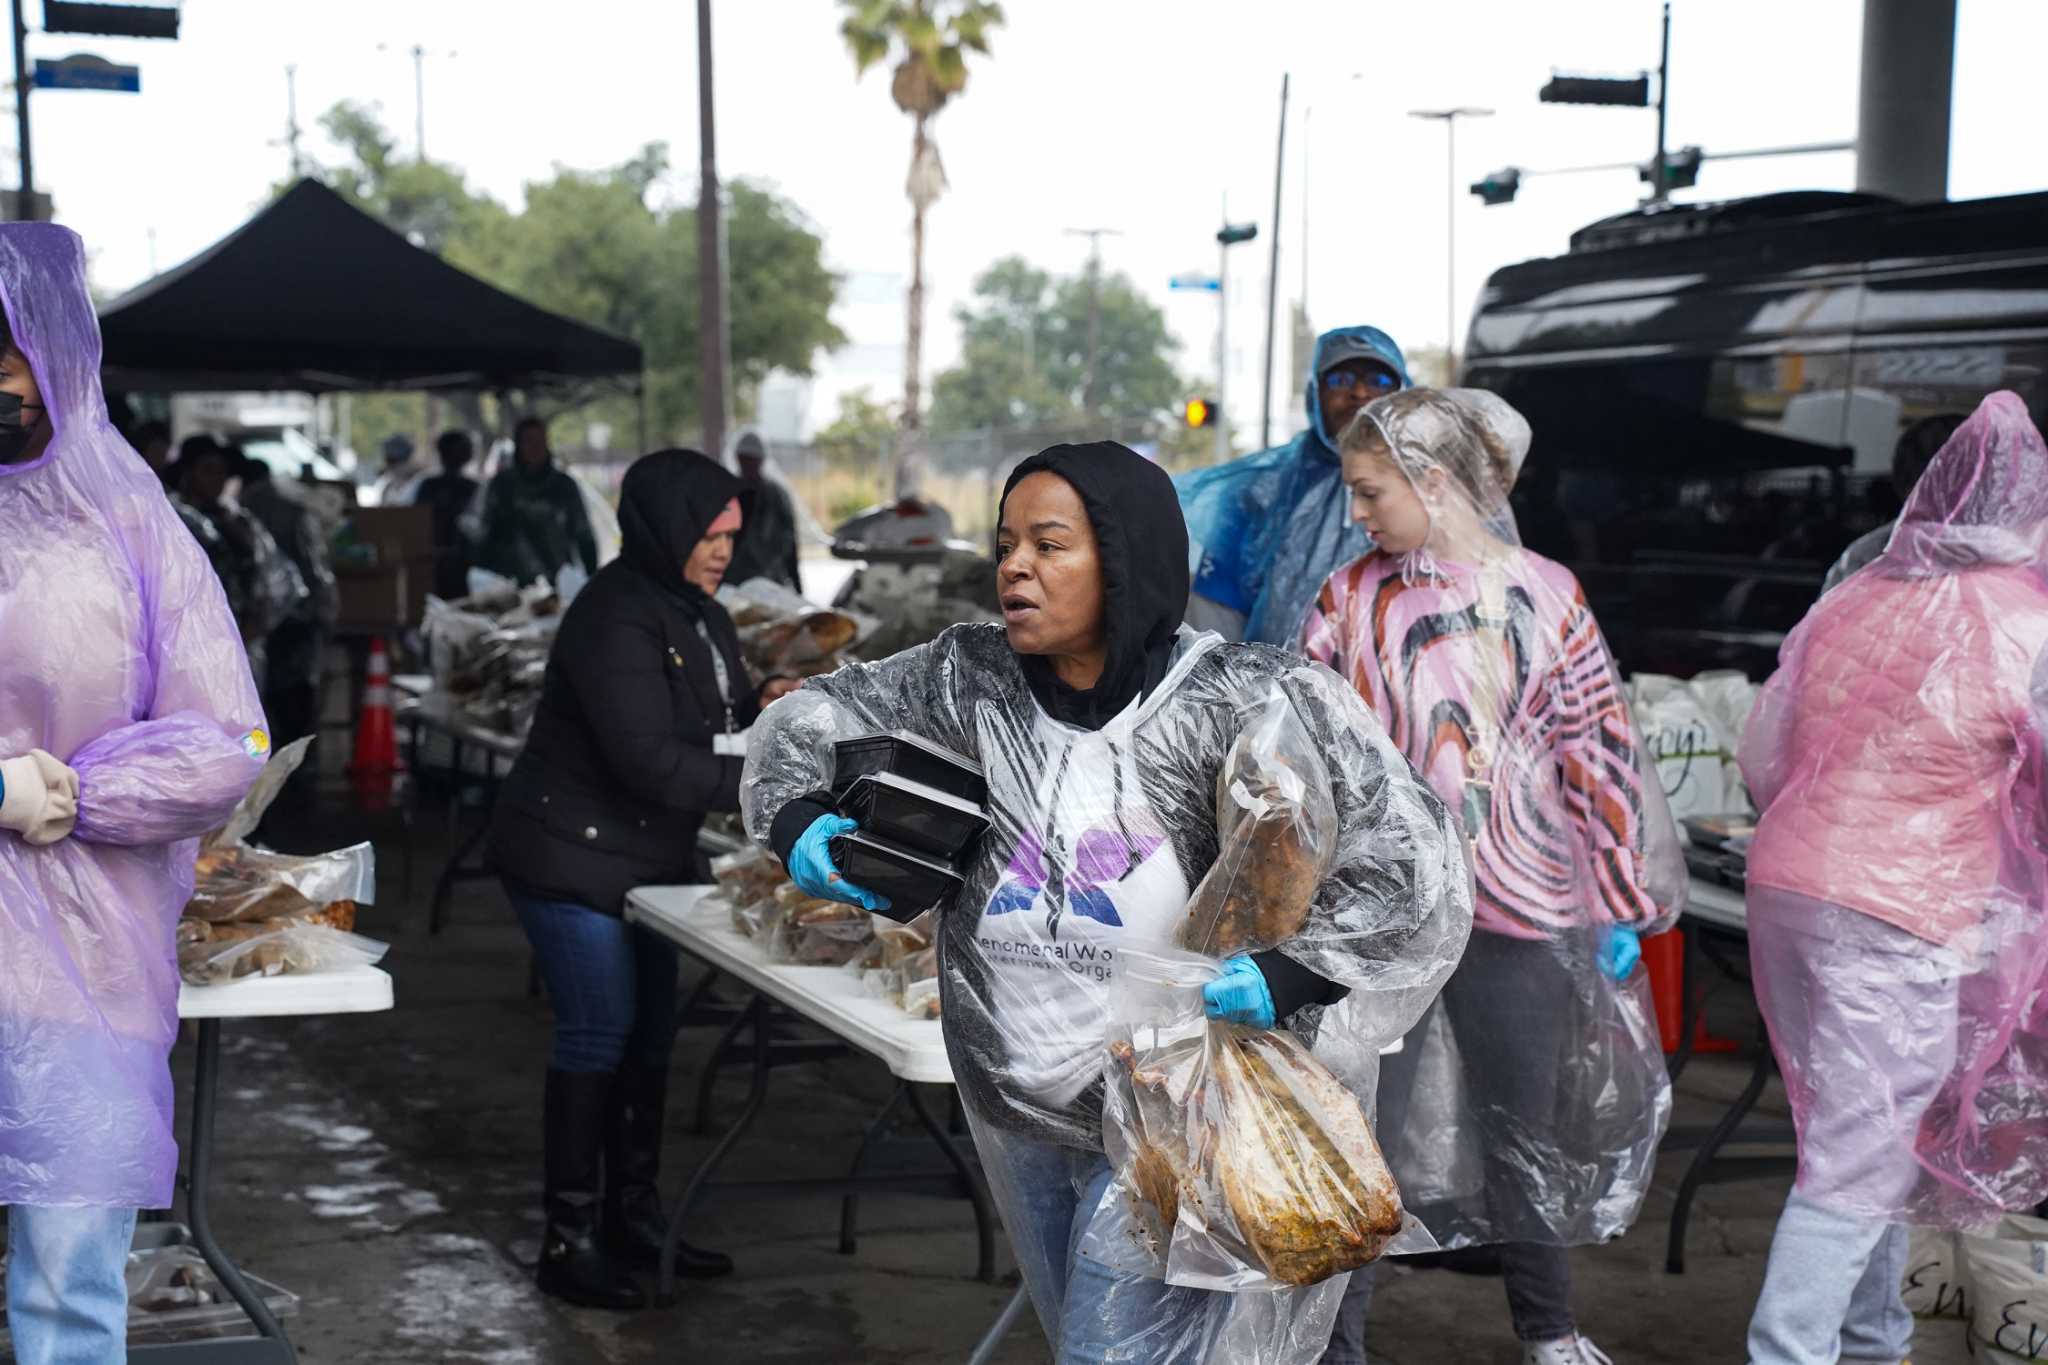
x=16 y=428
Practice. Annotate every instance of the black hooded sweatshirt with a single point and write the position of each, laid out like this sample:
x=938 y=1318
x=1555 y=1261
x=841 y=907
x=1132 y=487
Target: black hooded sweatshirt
x=1142 y=542
x=619 y=769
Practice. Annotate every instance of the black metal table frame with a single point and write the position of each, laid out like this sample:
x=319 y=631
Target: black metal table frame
x=270 y=1346
x=766 y=1052
x=1709 y=943
x=461 y=780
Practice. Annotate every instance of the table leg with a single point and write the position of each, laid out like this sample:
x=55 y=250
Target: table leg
x=985 y=1349
x=757 y=1096
x=1695 y=989
x=205 y=1084
x=849 y=1207
x=444 y=885
x=984 y=1218
x=700 y=1124
x=1695 y=1174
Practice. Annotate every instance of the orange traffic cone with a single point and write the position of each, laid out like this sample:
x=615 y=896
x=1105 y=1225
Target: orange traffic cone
x=376 y=758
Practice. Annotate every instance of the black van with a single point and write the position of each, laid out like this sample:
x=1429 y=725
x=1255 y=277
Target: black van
x=1716 y=390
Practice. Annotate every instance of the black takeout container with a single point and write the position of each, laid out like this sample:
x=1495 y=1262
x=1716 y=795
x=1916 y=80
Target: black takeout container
x=913 y=816
x=910 y=757
x=912 y=884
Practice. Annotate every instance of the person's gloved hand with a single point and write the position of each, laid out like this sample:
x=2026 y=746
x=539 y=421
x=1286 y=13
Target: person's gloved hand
x=1240 y=995
x=810 y=865
x=1620 y=951
x=38 y=797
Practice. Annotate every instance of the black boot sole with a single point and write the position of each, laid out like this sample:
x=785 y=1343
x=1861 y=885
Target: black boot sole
x=584 y=1297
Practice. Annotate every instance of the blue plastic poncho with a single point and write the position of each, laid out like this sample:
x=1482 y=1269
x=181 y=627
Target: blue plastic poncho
x=120 y=658
x=1267 y=530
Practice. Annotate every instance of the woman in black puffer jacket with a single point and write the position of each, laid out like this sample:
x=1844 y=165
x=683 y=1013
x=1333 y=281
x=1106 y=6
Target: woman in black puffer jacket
x=635 y=740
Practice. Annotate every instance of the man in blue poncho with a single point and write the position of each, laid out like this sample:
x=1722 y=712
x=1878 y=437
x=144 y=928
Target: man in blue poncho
x=1268 y=529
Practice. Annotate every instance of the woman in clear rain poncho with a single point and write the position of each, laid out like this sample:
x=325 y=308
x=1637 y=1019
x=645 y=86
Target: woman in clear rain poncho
x=1526 y=1109
x=129 y=726
x=1102 y=726
x=1896 y=886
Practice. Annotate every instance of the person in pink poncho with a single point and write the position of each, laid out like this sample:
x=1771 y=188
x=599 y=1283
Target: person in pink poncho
x=129 y=726
x=1896 y=891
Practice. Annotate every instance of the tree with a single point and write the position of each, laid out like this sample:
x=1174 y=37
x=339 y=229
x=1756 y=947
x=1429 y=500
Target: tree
x=1024 y=353
x=930 y=40
x=864 y=429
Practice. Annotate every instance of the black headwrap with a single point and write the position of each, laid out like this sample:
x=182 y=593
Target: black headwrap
x=666 y=503
x=1143 y=543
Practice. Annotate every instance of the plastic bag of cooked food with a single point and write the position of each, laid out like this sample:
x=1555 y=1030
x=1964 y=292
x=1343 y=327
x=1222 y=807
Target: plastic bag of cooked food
x=213 y=954
x=808 y=932
x=1247 y=1162
x=747 y=882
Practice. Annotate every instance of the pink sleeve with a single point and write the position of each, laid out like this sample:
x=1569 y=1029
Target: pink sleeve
x=1601 y=778
x=1322 y=637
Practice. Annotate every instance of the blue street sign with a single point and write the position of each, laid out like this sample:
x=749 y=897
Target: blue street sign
x=85 y=72
x=1207 y=283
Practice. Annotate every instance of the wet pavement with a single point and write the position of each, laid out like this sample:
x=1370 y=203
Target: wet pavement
x=386 y=1168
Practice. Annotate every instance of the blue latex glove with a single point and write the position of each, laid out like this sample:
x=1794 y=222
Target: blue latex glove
x=1240 y=995
x=810 y=865
x=1620 y=951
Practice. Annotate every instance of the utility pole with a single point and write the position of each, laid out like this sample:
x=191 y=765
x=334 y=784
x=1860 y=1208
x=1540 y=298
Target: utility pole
x=712 y=357
x=1223 y=332
x=1094 y=236
x=419 y=54
x=1449 y=118
x=291 y=118
x=1273 y=274
x=21 y=89
x=1659 y=181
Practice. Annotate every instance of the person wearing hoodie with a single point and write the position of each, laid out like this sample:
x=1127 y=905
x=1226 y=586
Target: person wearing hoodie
x=1270 y=527
x=1489 y=670
x=129 y=726
x=534 y=521
x=638 y=735
x=1102 y=723
x=1899 y=756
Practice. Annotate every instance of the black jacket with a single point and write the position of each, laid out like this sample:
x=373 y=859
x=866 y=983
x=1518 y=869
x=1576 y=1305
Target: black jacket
x=534 y=523
x=618 y=771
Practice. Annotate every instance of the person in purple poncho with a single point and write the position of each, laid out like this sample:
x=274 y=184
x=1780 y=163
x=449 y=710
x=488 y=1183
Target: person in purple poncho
x=129 y=726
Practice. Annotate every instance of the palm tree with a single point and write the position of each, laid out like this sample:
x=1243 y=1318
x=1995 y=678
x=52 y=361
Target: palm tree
x=930 y=40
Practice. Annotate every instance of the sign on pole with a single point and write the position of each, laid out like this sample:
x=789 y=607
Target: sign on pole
x=86 y=72
x=1195 y=280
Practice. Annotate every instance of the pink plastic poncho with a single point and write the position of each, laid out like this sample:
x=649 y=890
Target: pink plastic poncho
x=1897 y=881
x=118 y=656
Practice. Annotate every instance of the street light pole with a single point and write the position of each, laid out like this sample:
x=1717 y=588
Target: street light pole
x=1094 y=236
x=713 y=354
x=21 y=89
x=1449 y=118
x=419 y=54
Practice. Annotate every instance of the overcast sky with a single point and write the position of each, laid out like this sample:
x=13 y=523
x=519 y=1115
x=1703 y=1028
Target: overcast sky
x=1138 y=115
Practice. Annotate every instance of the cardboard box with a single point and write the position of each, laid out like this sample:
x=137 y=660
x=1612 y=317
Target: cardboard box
x=385 y=591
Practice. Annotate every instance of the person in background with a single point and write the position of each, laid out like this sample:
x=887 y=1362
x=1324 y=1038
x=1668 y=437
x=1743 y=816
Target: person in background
x=450 y=494
x=534 y=521
x=153 y=444
x=1270 y=527
x=402 y=473
x=129 y=726
x=296 y=649
x=1915 y=450
x=1491 y=675
x=261 y=585
x=767 y=547
x=1899 y=756
x=637 y=737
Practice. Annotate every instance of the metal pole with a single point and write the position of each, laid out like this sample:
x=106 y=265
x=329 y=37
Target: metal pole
x=291 y=118
x=21 y=89
x=1658 y=194
x=1308 y=112
x=1094 y=236
x=711 y=358
x=1451 y=250
x=1273 y=274
x=1223 y=339
x=419 y=97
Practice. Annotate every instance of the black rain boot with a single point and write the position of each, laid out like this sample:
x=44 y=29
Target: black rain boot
x=575 y=1265
x=634 y=1219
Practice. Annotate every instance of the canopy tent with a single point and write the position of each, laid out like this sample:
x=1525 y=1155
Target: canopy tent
x=314 y=295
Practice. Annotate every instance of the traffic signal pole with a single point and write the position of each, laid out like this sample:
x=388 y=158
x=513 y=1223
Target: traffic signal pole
x=1222 y=331
x=1659 y=185
x=21 y=89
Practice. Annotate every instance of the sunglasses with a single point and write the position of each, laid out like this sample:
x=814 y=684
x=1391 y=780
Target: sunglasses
x=1374 y=381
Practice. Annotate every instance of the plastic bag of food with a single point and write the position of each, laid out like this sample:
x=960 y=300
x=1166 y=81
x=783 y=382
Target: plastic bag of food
x=2007 y=1271
x=1685 y=744
x=1934 y=1285
x=213 y=954
x=748 y=880
x=245 y=883
x=1248 y=1164
x=914 y=984
x=818 y=933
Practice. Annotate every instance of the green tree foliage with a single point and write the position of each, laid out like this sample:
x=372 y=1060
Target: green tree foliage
x=1024 y=353
x=862 y=433
x=602 y=247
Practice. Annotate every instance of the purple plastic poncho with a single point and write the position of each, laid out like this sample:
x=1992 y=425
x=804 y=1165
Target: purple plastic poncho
x=1897 y=881
x=117 y=655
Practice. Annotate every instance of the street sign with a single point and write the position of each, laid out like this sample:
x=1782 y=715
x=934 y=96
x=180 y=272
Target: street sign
x=86 y=72
x=1195 y=280
x=39 y=209
x=113 y=21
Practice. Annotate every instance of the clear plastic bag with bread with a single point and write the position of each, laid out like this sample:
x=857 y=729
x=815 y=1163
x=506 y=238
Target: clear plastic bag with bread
x=1248 y=1163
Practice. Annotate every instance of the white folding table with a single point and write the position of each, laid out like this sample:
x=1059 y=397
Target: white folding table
x=357 y=990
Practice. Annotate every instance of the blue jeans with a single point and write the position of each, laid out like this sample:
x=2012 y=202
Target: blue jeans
x=613 y=985
x=67 y=1291
x=1832 y=1291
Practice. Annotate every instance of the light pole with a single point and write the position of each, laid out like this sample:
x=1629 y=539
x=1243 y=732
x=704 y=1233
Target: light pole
x=419 y=56
x=1449 y=118
x=1094 y=236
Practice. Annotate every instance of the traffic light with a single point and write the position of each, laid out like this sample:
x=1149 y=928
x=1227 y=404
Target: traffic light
x=1200 y=412
x=1499 y=187
x=1232 y=233
x=1681 y=169
x=1631 y=92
